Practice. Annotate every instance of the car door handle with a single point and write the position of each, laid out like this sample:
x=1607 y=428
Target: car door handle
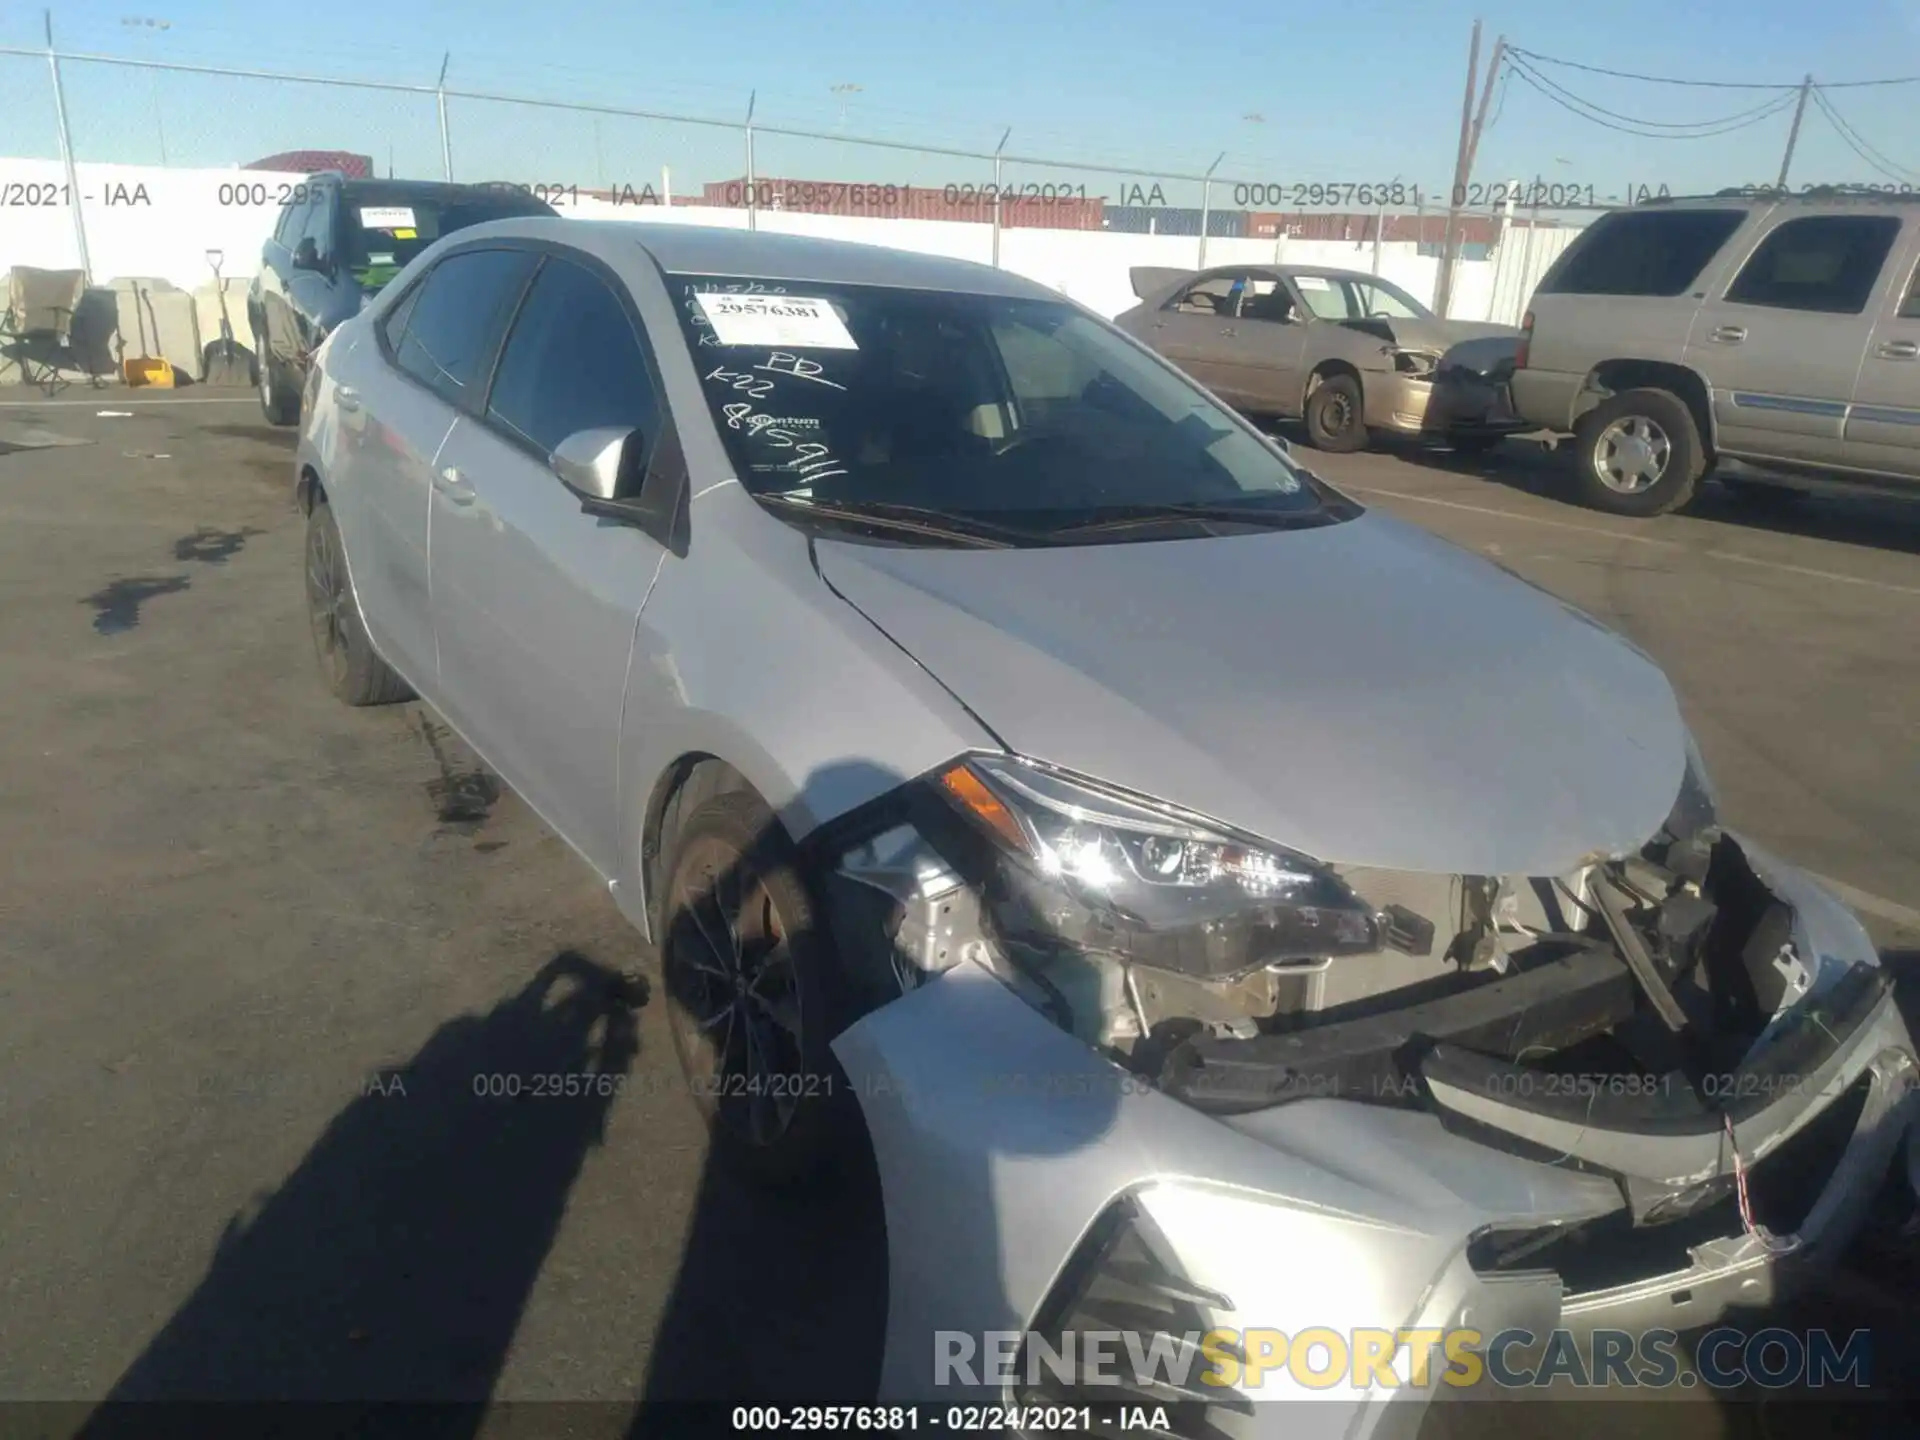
x=1729 y=334
x=1899 y=350
x=346 y=397
x=449 y=484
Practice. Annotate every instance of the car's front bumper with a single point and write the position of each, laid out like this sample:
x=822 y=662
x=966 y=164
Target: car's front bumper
x=1449 y=403
x=1001 y=1141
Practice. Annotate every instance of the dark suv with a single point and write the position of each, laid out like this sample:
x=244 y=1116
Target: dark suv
x=336 y=243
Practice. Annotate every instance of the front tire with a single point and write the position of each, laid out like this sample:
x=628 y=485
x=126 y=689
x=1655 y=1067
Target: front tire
x=279 y=401
x=351 y=670
x=1335 y=420
x=1638 y=453
x=754 y=995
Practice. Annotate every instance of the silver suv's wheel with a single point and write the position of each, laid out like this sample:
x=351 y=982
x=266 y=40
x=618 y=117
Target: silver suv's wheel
x=1638 y=453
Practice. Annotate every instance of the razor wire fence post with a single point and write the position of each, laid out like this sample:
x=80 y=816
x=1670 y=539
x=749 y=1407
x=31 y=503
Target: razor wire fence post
x=1206 y=204
x=440 y=96
x=753 y=213
x=996 y=194
x=66 y=152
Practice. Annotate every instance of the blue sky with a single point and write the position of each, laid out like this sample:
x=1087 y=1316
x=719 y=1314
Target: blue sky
x=1347 y=93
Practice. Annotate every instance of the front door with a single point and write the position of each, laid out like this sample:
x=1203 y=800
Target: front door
x=1883 y=425
x=1195 y=328
x=1780 y=348
x=534 y=601
x=1263 y=354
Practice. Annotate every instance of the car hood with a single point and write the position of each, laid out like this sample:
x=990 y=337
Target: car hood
x=1363 y=693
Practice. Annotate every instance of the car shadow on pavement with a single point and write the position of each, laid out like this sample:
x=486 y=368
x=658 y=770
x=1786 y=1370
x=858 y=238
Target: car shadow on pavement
x=395 y=1262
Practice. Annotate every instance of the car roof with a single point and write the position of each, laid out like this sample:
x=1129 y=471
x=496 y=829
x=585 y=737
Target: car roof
x=710 y=250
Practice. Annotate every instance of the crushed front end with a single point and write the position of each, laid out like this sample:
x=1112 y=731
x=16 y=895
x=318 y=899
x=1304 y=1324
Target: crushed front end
x=1623 y=1096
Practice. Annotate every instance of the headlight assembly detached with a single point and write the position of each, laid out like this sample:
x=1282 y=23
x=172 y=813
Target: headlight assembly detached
x=1084 y=865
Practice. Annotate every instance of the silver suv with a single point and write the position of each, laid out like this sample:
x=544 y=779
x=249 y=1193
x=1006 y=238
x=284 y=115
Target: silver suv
x=1779 y=331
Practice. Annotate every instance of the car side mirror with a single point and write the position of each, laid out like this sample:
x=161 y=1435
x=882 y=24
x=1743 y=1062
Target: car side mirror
x=1281 y=444
x=306 y=255
x=592 y=463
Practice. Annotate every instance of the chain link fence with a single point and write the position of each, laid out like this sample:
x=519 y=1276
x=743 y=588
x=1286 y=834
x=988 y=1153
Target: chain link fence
x=144 y=132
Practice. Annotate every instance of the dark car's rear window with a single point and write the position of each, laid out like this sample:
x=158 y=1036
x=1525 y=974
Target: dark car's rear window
x=382 y=228
x=1642 y=252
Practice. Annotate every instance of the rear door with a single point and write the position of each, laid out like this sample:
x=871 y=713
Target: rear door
x=535 y=601
x=1780 y=346
x=434 y=350
x=1883 y=425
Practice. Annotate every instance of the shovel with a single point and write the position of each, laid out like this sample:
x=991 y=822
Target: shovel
x=225 y=363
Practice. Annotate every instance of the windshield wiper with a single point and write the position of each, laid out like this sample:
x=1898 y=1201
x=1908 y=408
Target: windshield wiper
x=1136 y=516
x=909 y=520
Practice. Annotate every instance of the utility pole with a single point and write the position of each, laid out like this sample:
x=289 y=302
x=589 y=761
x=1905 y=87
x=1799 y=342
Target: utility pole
x=1793 y=135
x=1472 y=122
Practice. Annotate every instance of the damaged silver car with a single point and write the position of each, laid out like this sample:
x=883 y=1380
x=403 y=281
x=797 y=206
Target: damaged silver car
x=1349 y=355
x=1217 y=905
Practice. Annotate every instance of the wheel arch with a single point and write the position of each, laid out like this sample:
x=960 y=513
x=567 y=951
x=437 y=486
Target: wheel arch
x=1325 y=370
x=688 y=782
x=1611 y=377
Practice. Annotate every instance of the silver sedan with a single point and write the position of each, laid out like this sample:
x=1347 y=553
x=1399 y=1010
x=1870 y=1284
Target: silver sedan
x=1224 y=911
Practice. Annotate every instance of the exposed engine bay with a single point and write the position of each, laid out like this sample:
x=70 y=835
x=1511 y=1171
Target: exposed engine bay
x=1622 y=1017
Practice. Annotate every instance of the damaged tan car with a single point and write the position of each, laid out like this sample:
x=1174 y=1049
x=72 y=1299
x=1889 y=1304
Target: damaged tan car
x=1346 y=353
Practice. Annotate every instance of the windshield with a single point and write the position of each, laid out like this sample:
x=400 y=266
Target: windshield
x=382 y=231
x=1023 y=414
x=1340 y=297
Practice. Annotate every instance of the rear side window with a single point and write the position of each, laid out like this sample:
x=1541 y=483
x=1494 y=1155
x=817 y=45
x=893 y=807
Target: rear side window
x=572 y=363
x=455 y=323
x=394 y=328
x=1826 y=263
x=1642 y=252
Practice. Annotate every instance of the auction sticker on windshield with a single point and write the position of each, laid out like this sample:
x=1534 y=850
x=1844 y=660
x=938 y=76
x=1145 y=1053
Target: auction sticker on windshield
x=386 y=217
x=804 y=321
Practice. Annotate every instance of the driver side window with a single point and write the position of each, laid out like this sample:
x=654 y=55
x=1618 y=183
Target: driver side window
x=1267 y=299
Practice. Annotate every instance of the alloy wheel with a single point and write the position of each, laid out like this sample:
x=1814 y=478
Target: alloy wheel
x=735 y=994
x=327 y=600
x=1630 y=456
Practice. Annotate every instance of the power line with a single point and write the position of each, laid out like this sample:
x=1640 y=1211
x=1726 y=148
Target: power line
x=1654 y=129
x=1718 y=126
x=1860 y=145
x=1701 y=84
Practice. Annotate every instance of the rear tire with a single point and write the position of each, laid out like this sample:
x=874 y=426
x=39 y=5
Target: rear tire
x=279 y=401
x=1638 y=453
x=351 y=670
x=1335 y=420
x=755 y=996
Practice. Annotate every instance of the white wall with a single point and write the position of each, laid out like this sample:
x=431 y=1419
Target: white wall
x=187 y=212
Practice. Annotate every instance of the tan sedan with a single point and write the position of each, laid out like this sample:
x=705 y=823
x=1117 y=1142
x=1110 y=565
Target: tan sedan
x=1345 y=352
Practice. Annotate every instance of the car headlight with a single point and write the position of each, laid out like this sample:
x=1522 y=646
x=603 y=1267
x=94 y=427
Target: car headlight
x=1415 y=362
x=1086 y=865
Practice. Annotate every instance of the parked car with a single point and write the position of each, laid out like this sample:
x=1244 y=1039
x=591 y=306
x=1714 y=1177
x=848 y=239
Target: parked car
x=1200 y=888
x=1779 y=332
x=337 y=241
x=1348 y=353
